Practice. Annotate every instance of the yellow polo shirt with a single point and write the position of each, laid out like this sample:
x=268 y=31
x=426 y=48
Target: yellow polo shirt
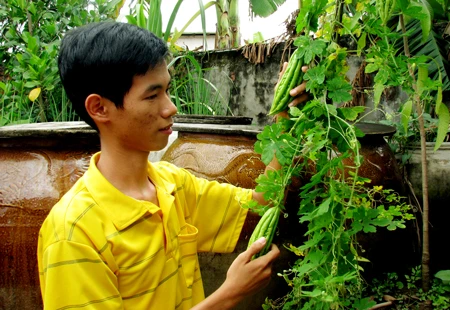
x=101 y=249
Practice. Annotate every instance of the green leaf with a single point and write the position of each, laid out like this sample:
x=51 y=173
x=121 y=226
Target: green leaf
x=31 y=84
x=364 y=304
x=440 y=9
x=350 y=114
x=363 y=219
x=382 y=76
x=271 y=184
x=294 y=111
x=377 y=92
x=339 y=89
x=403 y=5
x=421 y=11
x=141 y=19
x=332 y=109
x=324 y=206
x=171 y=20
x=257 y=37
x=131 y=20
x=415 y=11
x=265 y=8
x=361 y=43
x=50 y=29
x=381 y=222
x=308 y=49
x=406 y=113
x=308 y=17
x=273 y=141
x=317 y=47
x=444 y=120
x=422 y=77
x=371 y=68
x=32 y=8
x=444 y=275
x=314 y=75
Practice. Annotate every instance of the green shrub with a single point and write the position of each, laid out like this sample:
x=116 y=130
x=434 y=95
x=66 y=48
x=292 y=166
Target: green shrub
x=31 y=34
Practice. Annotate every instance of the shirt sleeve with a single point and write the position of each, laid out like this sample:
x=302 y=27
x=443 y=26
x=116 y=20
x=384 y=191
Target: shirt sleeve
x=216 y=209
x=74 y=276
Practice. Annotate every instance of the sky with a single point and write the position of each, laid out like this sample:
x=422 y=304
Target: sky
x=270 y=27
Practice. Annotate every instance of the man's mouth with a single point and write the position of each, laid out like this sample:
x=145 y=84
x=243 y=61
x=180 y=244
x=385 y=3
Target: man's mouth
x=166 y=128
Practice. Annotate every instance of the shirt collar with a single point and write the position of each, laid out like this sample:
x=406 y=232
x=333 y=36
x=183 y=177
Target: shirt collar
x=122 y=209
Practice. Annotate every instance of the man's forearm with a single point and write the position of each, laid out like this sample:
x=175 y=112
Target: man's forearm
x=222 y=299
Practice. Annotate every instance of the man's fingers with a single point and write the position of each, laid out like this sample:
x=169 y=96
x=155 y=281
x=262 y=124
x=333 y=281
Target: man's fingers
x=294 y=92
x=273 y=253
x=255 y=248
x=285 y=64
x=299 y=99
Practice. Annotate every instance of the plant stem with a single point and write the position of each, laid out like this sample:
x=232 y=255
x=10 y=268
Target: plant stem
x=235 y=24
x=423 y=147
x=223 y=25
x=30 y=21
x=339 y=11
x=42 y=110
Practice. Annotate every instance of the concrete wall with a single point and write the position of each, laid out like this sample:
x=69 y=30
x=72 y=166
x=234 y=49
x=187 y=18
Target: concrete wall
x=249 y=87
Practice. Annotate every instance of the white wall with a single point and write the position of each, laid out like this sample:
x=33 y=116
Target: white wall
x=270 y=27
x=193 y=41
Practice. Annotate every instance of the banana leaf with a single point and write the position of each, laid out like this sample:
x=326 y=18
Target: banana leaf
x=434 y=48
x=264 y=8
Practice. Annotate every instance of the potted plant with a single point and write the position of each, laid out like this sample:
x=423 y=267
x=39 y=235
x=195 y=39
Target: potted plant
x=404 y=52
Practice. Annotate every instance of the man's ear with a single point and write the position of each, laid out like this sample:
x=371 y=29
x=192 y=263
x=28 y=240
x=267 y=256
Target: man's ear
x=98 y=108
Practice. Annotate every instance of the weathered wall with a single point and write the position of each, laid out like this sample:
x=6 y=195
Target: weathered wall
x=249 y=87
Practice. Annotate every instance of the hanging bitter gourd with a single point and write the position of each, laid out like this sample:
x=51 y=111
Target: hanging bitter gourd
x=266 y=227
x=292 y=77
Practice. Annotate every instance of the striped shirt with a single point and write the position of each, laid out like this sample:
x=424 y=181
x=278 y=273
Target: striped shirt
x=101 y=249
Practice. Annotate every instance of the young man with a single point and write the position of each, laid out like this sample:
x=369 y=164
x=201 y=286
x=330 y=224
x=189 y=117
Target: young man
x=126 y=236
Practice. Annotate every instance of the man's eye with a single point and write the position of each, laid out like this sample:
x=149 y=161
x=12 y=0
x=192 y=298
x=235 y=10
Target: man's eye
x=152 y=97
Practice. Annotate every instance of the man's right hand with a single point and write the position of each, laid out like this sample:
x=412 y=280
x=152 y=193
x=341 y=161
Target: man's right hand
x=244 y=277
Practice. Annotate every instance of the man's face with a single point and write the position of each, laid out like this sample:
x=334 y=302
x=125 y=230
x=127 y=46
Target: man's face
x=144 y=123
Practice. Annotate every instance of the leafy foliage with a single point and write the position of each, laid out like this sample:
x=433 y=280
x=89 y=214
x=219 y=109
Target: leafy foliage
x=407 y=294
x=407 y=52
x=31 y=32
x=191 y=91
x=319 y=143
x=147 y=15
x=336 y=204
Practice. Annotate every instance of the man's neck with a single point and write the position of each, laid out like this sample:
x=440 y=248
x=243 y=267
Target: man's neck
x=127 y=171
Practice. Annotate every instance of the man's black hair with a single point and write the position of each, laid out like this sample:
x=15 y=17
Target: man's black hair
x=102 y=58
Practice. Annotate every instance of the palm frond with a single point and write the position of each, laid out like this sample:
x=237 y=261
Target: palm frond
x=433 y=47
